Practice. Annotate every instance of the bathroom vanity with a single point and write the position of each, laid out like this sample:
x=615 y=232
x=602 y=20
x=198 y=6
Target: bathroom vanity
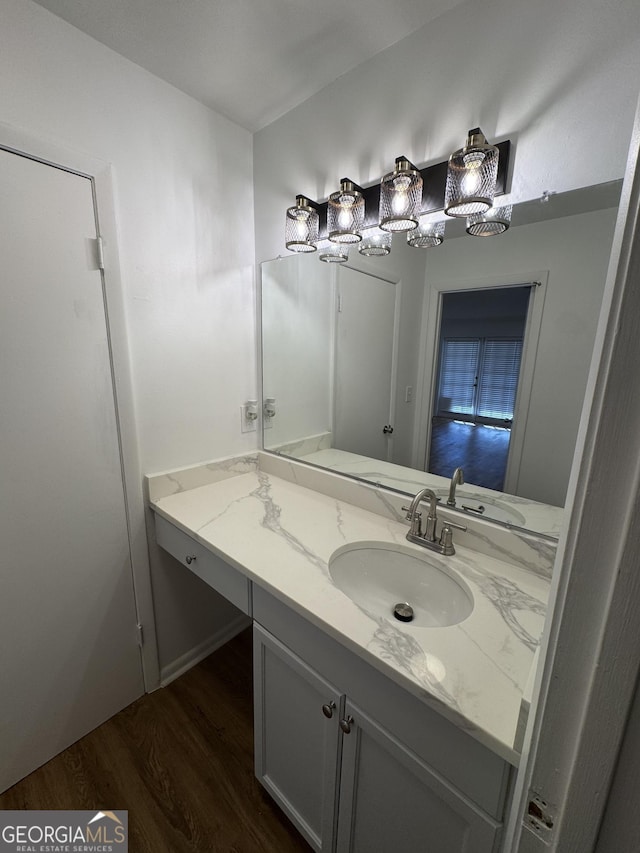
x=370 y=733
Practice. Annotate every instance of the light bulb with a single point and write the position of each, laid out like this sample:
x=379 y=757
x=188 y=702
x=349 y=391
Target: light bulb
x=471 y=177
x=302 y=223
x=400 y=197
x=345 y=214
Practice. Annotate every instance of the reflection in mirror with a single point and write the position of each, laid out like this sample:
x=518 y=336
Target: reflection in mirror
x=480 y=339
x=473 y=354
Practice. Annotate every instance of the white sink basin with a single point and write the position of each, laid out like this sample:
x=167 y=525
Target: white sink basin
x=379 y=575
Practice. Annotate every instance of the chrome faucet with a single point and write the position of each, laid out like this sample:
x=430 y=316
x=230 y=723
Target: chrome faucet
x=415 y=517
x=429 y=539
x=456 y=480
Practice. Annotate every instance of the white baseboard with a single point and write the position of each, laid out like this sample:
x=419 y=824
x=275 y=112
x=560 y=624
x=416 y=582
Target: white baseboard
x=184 y=663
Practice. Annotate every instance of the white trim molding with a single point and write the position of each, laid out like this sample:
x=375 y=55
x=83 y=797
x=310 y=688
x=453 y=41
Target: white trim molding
x=189 y=659
x=585 y=690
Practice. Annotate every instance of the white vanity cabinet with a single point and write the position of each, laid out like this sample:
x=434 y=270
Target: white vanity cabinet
x=358 y=764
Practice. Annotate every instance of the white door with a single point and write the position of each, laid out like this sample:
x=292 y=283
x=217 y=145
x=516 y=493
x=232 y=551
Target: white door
x=69 y=657
x=364 y=364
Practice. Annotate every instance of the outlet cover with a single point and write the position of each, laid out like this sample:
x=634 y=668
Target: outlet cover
x=247 y=425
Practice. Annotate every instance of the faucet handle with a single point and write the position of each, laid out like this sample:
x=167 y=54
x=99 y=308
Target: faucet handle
x=415 y=519
x=446 y=541
x=457 y=526
x=446 y=537
x=411 y=515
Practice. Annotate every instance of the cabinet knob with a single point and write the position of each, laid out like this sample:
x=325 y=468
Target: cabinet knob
x=345 y=725
x=190 y=559
x=328 y=709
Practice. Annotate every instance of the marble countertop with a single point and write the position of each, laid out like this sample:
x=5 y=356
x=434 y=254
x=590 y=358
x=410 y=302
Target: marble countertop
x=498 y=506
x=281 y=535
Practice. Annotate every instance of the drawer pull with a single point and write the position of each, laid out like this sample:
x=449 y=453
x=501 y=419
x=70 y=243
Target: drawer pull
x=190 y=558
x=328 y=709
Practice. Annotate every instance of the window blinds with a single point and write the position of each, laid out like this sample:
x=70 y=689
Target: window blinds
x=498 y=383
x=479 y=378
x=458 y=375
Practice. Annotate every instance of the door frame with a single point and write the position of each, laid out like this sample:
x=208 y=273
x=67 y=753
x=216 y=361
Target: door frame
x=369 y=268
x=586 y=681
x=22 y=143
x=428 y=366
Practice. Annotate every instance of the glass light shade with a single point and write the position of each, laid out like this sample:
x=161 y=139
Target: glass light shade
x=333 y=253
x=471 y=177
x=301 y=230
x=345 y=214
x=427 y=234
x=495 y=221
x=400 y=197
x=375 y=243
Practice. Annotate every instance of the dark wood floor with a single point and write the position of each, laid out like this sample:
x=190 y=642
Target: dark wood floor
x=180 y=760
x=479 y=450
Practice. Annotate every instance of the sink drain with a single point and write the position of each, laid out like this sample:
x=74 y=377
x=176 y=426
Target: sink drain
x=403 y=612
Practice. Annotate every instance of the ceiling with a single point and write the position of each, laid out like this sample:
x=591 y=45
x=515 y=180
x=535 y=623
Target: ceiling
x=250 y=60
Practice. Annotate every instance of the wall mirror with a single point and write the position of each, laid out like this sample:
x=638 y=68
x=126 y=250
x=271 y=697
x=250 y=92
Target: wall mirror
x=473 y=354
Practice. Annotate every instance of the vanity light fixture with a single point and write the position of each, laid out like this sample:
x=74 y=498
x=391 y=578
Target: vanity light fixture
x=345 y=213
x=427 y=234
x=333 y=253
x=375 y=243
x=407 y=199
x=400 y=197
x=495 y=221
x=301 y=233
x=471 y=177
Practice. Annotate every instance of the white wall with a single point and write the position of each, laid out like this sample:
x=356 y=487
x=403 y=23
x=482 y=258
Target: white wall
x=186 y=253
x=575 y=252
x=560 y=79
x=297 y=340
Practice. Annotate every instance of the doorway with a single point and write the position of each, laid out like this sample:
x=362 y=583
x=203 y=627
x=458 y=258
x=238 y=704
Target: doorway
x=480 y=345
x=68 y=620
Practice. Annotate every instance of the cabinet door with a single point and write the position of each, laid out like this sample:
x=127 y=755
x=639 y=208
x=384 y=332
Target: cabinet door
x=392 y=802
x=297 y=743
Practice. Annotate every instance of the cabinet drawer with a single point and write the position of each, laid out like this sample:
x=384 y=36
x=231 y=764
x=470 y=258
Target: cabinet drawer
x=229 y=582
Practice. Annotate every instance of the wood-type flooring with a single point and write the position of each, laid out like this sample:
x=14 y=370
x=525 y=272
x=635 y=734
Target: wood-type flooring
x=180 y=760
x=481 y=451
